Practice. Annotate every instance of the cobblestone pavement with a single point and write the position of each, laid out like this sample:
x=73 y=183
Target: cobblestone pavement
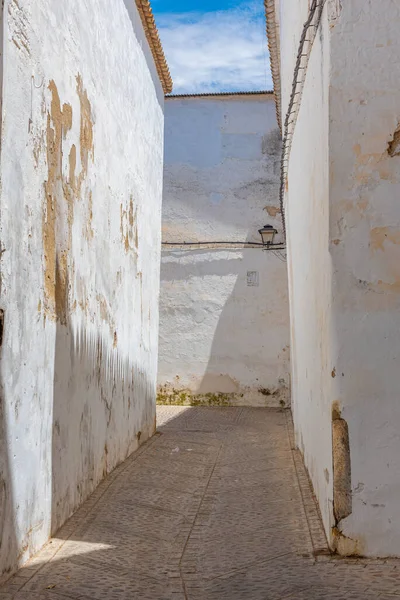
x=216 y=506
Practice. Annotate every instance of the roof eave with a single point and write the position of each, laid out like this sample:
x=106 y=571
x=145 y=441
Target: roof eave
x=153 y=39
x=274 y=55
x=205 y=94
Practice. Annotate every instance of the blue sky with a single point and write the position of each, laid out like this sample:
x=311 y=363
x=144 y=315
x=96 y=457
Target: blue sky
x=216 y=46
x=180 y=6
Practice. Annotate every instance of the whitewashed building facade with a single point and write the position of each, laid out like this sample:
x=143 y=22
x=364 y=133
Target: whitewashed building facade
x=341 y=188
x=83 y=88
x=224 y=323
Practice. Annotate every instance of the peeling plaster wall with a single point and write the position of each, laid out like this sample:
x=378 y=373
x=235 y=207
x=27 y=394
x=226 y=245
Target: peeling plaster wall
x=343 y=237
x=365 y=251
x=222 y=340
x=81 y=173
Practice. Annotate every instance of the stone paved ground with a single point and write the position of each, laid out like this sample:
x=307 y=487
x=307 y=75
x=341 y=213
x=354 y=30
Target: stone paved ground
x=216 y=506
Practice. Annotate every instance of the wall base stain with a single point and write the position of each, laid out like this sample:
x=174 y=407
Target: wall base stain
x=345 y=546
x=342 y=498
x=187 y=398
x=167 y=395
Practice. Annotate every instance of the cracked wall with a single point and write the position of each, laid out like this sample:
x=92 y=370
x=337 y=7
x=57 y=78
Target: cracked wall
x=80 y=224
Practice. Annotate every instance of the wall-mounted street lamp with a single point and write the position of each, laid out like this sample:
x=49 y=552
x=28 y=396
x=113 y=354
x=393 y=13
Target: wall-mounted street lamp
x=267 y=234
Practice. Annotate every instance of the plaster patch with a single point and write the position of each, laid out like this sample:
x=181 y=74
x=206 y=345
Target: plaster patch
x=394 y=145
x=342 y=498
x=380 y=235
x=72 y=165
x=89 y=228
x=106 y=314
x=38 y=146
x=59 y=121
x=62 y=286
x=367 y=166
x=386 y=286
x=334 y=10
x=272 y=210
x=86 y=129
x=343 y=545
x=61 y=193
x=128 y=227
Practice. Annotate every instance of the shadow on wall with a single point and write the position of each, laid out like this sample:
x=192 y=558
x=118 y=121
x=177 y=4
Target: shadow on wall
x=99 y=397
x=8 y=542
x=249 y=358
x=101 y=400
x=224 y=326
x=231 y=316
x=8 y=539
x=96 y=399
x=224 y=318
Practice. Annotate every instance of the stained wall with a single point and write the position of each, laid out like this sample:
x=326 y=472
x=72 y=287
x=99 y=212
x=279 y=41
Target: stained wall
x=224 y=325
x=81 y=173
x=343 y=256
x=364 y=233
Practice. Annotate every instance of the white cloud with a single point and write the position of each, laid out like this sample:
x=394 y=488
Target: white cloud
x=216 y=51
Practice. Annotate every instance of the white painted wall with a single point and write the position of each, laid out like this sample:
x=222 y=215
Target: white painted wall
x=344 y=231
x=221 y=340
x=365 y=238
x=81 y=172
x=307 y=217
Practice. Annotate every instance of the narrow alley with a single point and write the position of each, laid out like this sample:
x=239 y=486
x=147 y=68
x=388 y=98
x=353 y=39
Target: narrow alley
x=217 y=505
x=199 y=300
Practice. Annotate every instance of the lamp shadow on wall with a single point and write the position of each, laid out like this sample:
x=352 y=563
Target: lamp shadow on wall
x=248 y=357
x=236 y=302
x=224 y=319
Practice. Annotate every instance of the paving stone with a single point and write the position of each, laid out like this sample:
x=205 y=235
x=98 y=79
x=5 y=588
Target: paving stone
x=216 y=506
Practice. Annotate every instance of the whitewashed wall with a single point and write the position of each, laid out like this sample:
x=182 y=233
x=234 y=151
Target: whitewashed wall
x=365 y=238
x=222 y=340
x=344 y=231
x=81 y=172
x=307 y=217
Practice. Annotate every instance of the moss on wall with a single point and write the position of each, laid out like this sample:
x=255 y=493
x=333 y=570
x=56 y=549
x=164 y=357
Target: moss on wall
x=168 y=395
